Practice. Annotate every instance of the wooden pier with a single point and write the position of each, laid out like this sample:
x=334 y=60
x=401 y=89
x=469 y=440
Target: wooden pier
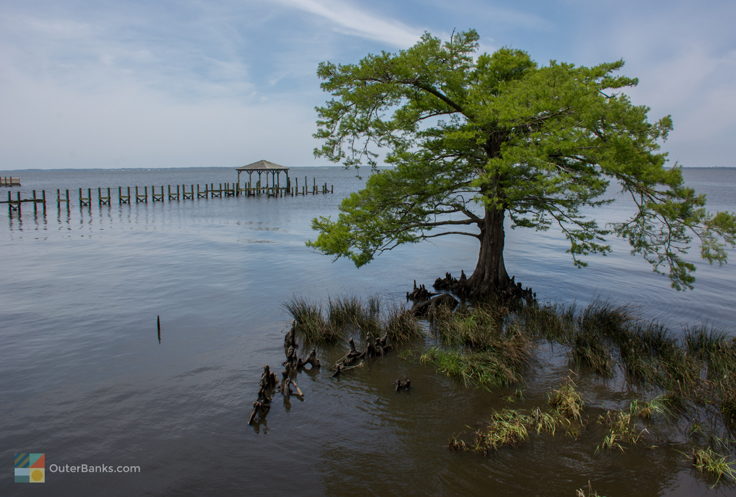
x=161 y=194
x=9 y=181
x=16 y=205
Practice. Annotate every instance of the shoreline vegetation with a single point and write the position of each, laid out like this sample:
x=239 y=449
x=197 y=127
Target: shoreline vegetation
x=682 y=386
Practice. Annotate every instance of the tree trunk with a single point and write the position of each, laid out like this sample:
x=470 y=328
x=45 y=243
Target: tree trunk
x=490 y=276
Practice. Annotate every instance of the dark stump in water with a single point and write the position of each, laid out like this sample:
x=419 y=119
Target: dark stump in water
x=422 y=308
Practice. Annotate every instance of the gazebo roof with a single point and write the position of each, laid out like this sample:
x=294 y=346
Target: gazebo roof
x=262 y=165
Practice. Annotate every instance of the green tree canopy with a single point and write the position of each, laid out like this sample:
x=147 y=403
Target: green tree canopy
x=480 y=140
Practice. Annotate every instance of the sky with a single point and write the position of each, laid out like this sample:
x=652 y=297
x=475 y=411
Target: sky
x=146 y=83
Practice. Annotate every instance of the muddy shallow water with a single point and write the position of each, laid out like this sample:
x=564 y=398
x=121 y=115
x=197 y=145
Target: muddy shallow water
x=84 y=380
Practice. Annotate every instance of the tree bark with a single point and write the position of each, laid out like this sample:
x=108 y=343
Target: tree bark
x=490 y=276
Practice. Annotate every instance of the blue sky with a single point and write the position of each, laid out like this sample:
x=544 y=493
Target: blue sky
x=208 y=83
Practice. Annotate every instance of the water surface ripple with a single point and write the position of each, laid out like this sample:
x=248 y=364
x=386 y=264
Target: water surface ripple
x=84 y=379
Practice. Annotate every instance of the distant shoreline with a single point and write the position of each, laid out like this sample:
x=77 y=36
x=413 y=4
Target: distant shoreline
x=71 y=169
x=4 y=171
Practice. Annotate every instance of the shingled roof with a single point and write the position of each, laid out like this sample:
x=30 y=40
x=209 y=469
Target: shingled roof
x=263 y=165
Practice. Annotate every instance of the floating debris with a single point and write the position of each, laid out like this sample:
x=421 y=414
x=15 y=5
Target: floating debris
x=402 y=384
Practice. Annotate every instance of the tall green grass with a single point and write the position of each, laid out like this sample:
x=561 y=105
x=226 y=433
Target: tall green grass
x=347 y=316
x=711 y=462
x=509 y=427
x=478 y=351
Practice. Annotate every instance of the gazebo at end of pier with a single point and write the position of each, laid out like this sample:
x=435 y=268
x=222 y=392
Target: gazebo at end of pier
x=267 y=168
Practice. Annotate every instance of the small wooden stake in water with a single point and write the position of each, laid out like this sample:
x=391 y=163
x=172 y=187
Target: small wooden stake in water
x=158 y=327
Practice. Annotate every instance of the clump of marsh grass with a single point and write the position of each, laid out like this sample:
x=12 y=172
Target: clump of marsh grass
x=401 y=325
x=509 y=427
x=309 y=322
x=621 y=429
x=345 y=316
x=662 y=405
x=477 y=347
x=344 y=313
x=486 y=369
x=651 y=357
x=550 y=322
x=566 y=401
x=589 y=351
x=506 y=428
x=604 y=319
x=499 y=362
x=717 y=350
x=728 y=407
x=589 y=492
x=710 y=462
x=477 y=327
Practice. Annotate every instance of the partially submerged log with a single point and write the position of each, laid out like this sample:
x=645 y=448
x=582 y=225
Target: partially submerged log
x=375 y=347
x=339 y=368
x=260 y=409
x=421 y=309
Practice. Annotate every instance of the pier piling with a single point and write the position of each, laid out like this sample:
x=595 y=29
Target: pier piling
x=165 y=193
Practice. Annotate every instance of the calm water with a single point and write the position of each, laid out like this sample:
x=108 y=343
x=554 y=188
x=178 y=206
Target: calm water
x=84 y=379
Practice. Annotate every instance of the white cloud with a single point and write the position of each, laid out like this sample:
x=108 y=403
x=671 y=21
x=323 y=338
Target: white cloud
x=160 y=83
x=685 y=59
x=350 y=19
x=95 y=94
x=130 y=125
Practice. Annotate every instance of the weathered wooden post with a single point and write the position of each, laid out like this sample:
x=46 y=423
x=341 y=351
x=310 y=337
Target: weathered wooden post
x=43 y=200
